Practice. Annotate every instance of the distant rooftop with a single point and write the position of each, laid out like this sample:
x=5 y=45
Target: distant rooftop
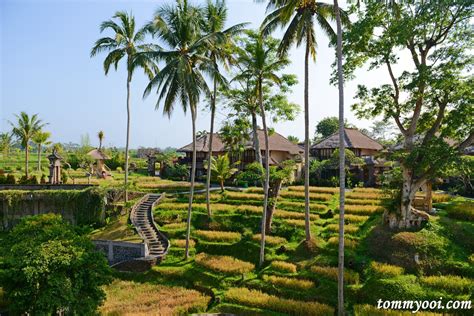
x=353 y=138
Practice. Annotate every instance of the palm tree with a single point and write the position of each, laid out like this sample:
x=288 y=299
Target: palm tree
x=40 y=139
x=215 y=16
x=342 y=169
x=222 y=169
x=100 y=135
x=260 y=64
x=6 y=142
x=181 y=80
x=125 y=42
x=301 y=16
x=24 y=130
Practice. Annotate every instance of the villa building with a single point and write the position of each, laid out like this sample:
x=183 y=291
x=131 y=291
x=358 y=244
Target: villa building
x=280 y=149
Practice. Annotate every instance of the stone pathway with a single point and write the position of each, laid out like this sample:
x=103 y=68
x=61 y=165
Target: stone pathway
x=142 y=218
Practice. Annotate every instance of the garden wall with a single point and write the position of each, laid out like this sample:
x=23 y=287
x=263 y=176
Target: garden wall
x=79 y=207
x=119 y=251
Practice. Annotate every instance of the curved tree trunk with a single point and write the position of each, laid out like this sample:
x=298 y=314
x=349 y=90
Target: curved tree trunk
x=342 y=169
x=267 y=174
x=306 y=141
x=39 y=157
x=211 y=136
x=193 y=174
x=256 y=142
x=129 y=79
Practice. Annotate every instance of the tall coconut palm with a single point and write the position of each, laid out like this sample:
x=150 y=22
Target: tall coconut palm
x=215 y=16
x=100 y=136
x=259 y=63
x=40 y=139
x=301 y=16
x=342 y=169
x=6 y=142
x=181 y=80
x=125 y=42
x=25 y=128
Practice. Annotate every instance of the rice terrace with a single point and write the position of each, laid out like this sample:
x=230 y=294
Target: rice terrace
x=246 y=158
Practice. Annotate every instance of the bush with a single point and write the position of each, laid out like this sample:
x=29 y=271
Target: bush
x=294 y=215
x=314 y=189
x=364 y=195
x=252 y=175
x=218 y=236
x=181 y=243
x=384 y=270
x=243 y=196
x=174 y=226
x=349 y=243
x=363 y=202
x=270 y=240
x=301 y=195
x=363 y=209
x=350 y=277
x=439 y=197
x=176 y=172
x=117 y=160
x=10 y=179
x=3 y=178
x=452 y=284
x=349 y=229
x=291 y=283
x=259 y=299
x=31 y=180
x=350 y=218
x=224 y=264
x=289 y=205
x=463 y=210
x=283 y=266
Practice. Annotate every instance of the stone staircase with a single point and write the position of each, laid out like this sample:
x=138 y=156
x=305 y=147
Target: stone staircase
x=141 y=217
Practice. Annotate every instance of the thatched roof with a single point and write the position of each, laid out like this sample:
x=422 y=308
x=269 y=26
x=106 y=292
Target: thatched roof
x=276 y=141
x=98 y=154
x=353 y=138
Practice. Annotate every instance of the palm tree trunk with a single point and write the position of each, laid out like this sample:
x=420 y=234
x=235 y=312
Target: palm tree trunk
x=267 y=173
x=211 y=136
x=27 y=157
x=256 y=142
x=306 y=141
x=129 y=79
x=193 y=173
x=342 y=170
x=39 y=157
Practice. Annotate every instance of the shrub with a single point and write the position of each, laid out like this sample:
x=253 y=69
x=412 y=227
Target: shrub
x=450 y=283
x=362 y=202
x=131 y=298
x=283 y=266
x=349 y=229
x=176 y=172
x=364 y=195
x=384 y=270
x=252 y=175
x=10 y=179
x=294 y=215
x=461 y=210
x=363 y=209
x=314 y=189
x=369 y=310
x=295 y=222
x=218 y=236
x=254 y=190
x=259 y=299
x=300 y=195
x=291 y=283
x=174 y=226
x=289 y=205
x=224 y=264
x=181 y=243
x=350 y=218
x=3 y=179
x=350 y=277
x=367 y=190
x=349 y=243
x=439 y=197
x=249 y=209
x=243 y=196
x=270 y=240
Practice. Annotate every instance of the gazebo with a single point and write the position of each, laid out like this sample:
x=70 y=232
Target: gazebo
x=100 y=167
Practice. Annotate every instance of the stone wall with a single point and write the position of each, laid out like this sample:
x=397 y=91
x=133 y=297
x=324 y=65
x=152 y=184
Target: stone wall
x=119 y=251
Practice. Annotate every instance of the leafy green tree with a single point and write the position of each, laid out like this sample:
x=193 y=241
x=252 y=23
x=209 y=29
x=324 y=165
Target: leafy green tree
x=326 y=127
x=215 y=16
x=50 y=268
x=430 y=100
x=235 y=132
x=6 y=143
x=40 y=139
x=126 y=42
x=260 y=64
x=222 y=169
x=24 y=130
x=301 y=17
x=295 y=140
x=182 y=79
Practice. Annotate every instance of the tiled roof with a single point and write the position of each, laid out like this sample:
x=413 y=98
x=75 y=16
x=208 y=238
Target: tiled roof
x=353 y=138
x=277 y=142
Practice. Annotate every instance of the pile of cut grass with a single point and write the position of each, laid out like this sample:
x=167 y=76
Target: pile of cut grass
x=224 y=264
x=259 y=299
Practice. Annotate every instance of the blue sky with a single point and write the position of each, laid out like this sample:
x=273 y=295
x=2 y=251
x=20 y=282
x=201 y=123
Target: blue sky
x=45 y=68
